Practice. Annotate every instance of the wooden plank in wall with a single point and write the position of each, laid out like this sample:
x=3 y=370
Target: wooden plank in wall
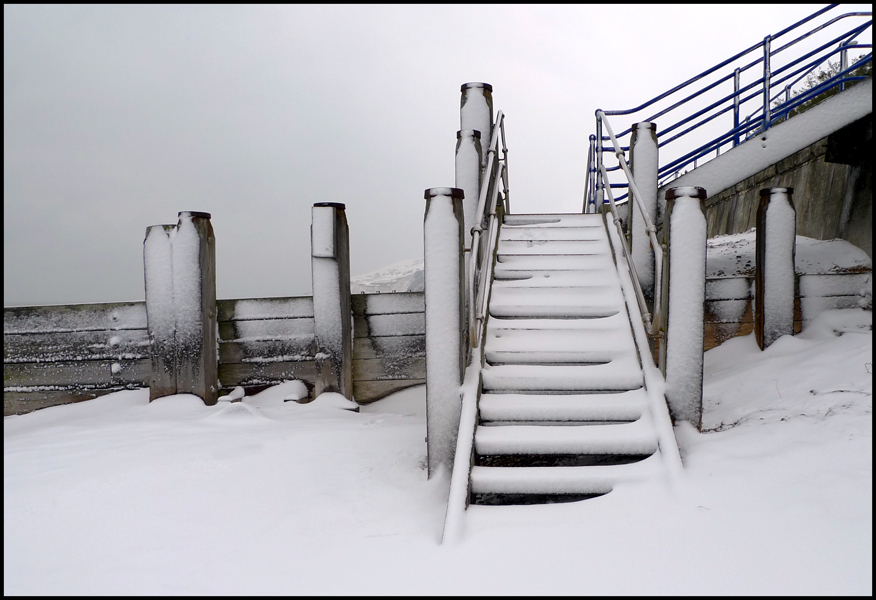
x=74 y=317
x=389 y=325
x=376 y=369
x=255 y=374
x=262 y=330
x=77 y=374
x=265 y=308
x=380 y=347
x=366 y=392
x=392 y=303
x=19 y=403
x=293 y=349
x=77 y=345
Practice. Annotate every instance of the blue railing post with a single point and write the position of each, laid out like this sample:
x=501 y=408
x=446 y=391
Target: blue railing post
x=591 y=174
x=766 y=83
x=600 y=198
x=736 y=74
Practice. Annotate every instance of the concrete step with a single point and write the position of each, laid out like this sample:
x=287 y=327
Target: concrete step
x=622 y=406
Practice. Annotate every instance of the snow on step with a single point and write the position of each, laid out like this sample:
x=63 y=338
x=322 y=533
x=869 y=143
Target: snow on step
x=616 y=322
x=552 y=246
x=599 y=479
x=538 y=262
x=620 y=374
x=637 y=437
x=562 y=345
x=554 y=220
x=552 y=279
x=624 y=406
x=550 y=233
x=590 y=301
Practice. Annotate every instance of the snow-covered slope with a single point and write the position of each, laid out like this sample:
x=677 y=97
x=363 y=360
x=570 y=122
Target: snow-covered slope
x=404 y=276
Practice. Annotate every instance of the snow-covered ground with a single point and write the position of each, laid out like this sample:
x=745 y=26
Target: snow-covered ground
x=405 y=276
x=117 y=495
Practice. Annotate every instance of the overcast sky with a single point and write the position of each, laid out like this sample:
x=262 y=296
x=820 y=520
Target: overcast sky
x=118 y=117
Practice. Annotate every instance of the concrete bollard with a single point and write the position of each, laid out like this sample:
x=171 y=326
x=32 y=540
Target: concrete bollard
x=776 y=237
x=445 y=322
x=180 y=272
x=643 y=162
x=469 y=175
x=332 y=312
x=684 y=292
x=476 y=112
x=158 y=271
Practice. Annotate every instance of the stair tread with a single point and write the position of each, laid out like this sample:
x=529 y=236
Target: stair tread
x=554 y=220
x=552 y=279
x=526 y=232
x=623 y=373
x=560 y=480
x=589 y=301
x=627 y=405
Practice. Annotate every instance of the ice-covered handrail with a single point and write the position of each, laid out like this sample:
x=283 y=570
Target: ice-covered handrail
x=481 y=270
x=652 y=326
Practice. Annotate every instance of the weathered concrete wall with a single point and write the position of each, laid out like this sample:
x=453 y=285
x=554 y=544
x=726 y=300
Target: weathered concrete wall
x=833 y=189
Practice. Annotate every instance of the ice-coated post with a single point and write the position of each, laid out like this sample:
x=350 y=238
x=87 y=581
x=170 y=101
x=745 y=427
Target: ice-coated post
x=643 y=159
x=445 y=322
x=194 y=305
x=684 y=292
x=476 y=112
x=332 y=313
x=180 y=271
x=160 y=321
x=776 y=237
x=469 y=174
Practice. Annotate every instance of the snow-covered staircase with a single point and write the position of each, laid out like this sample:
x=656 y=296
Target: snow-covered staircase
x=564 y=414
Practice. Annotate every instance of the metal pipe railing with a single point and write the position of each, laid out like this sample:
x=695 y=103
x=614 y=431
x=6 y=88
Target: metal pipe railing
x=477 y=271
x=775 y=82
x=652 y=326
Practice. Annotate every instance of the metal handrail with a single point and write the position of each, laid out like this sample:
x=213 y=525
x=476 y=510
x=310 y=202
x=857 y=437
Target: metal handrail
x=769 y=88
x=476 y=272
x=651 y=326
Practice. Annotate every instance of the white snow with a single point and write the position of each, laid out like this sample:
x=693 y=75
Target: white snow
x=120 y=496
x=442 y=247
x=687 y=263
x=645 y=156
x=404 y=276
x=468 y=179
x=780 y=229
x=157 y=257
x=185 y=251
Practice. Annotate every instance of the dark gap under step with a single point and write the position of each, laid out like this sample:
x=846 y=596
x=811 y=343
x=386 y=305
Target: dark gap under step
x=492 y=499
x=555 y=460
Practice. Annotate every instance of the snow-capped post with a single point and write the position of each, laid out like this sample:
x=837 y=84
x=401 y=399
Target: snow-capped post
x=684 y=292
x=643 y=161
x=476 y=112
x=158 y=271
x=469 y=174
x=774 y=269
x=193 y=250
x=332 y=312
x=445 y=322
x=180 y=270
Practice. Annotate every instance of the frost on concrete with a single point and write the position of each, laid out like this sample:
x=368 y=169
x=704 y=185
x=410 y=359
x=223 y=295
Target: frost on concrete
x=468 y=179
x=185 y=250
x=443 y=336
x=778 y=297
x=326 y=287
x=644 y=155
x=158 y=269
x=476 y=113
x=684 y=350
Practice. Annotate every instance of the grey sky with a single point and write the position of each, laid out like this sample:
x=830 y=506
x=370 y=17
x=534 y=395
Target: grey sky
x=119 y=117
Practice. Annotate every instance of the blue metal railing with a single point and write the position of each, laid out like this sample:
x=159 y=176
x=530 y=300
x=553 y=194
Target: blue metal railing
x=768 y=99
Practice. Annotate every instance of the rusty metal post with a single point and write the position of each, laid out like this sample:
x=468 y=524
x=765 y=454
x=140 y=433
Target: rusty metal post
x=776 y=236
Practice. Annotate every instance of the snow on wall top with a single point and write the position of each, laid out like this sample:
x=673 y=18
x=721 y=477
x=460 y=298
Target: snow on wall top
x=734 y=255
x=778 y=142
